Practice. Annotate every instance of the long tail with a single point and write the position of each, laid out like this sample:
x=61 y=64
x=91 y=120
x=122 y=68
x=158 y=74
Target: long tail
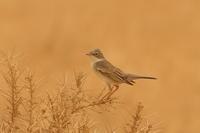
x=134 y=77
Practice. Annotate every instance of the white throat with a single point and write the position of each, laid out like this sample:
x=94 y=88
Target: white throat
x=94 y=59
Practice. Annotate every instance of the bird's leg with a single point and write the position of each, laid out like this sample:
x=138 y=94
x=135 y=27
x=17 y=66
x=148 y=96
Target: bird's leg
x=112 y=92
x=107 y=94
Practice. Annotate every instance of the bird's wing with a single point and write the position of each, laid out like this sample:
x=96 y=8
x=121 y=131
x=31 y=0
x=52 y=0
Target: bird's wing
x=108 y=70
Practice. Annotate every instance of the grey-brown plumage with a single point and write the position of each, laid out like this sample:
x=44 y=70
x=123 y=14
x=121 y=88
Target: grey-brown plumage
x=109 y=73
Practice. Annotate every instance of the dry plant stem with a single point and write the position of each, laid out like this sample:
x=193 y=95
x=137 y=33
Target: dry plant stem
x=31 y=104
x=137 y=119
x=97 y=103
x=14 y=99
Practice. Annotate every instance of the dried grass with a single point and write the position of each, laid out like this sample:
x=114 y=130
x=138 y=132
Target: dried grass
x=31 y=103
x=67 y=111
x=138 y=123
x=12 y=94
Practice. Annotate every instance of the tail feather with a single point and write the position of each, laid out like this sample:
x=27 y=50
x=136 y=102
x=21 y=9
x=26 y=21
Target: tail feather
x=134 y=77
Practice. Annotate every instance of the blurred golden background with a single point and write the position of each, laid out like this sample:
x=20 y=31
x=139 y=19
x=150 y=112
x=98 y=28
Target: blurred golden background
x=152 y=38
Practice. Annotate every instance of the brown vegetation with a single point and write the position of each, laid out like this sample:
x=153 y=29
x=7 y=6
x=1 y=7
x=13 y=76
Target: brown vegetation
x=138 y=124
x=67 y=111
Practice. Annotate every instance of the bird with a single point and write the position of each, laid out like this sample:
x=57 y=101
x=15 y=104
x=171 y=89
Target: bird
x=112 y=75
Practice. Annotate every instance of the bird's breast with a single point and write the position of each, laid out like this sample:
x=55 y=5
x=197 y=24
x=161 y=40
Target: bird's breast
x=94 y=67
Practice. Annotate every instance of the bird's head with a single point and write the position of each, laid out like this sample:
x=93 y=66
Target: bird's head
x=96 y=54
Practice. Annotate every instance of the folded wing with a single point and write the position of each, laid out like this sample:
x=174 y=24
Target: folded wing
x=107 y=69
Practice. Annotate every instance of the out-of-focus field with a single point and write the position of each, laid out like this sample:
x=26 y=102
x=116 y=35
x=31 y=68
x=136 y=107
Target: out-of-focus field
x=156 y=38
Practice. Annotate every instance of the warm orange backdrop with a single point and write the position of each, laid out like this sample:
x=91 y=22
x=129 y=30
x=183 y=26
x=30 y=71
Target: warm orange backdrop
x=156 y=37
